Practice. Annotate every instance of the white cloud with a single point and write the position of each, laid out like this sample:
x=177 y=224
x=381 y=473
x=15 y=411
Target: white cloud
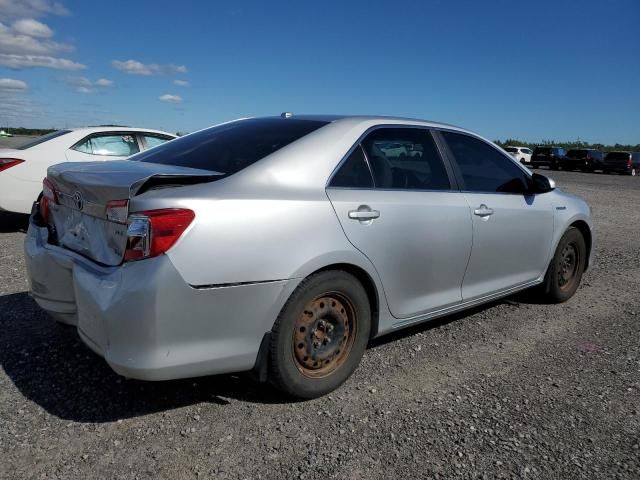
x=18 y=62
x=181 y=83
x=30 y=8
x=12 y=85
x=168 y=98
x=133 y=67
x=27 y=42
x=84 y=85
x=32 y=28
x=14 y=42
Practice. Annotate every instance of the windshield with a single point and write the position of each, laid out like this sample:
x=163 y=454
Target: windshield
x=42 y=139
x=230 y=147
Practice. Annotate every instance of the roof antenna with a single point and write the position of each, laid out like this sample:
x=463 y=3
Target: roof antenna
x=286 y=114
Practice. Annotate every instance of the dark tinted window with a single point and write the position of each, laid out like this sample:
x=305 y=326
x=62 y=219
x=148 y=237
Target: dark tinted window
x=42 y=139
x=559 y=151
x=577 y=153
x=511 y=149
x=405 y=158
x=618 y=156
x=542 y=151
x=484 y=168
x=231 y=147
x=354 y=172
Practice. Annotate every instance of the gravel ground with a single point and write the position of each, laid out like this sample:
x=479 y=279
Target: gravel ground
x=511 y=390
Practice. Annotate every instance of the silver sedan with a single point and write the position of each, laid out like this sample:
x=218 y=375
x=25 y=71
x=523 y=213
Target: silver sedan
x=284 y=244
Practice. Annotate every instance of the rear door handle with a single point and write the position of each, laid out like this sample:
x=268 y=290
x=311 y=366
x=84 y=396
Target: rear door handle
x=483 y=211
x=364 y=213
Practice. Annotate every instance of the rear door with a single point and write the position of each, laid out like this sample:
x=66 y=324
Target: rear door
x=512 y=231
x=104 y=146
x=400 y=207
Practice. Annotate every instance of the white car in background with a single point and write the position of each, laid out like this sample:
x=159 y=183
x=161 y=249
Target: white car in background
x=522 y=154
x=23 y=168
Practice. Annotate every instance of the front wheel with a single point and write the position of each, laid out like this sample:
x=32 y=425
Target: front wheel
x=320 y=335
x=566 y=268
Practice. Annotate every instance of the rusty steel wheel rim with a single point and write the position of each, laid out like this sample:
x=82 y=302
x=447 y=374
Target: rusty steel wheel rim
x=569 y=260
x=324 y=334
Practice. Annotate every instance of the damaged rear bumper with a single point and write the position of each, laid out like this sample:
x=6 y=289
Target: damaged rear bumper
x=145 y=320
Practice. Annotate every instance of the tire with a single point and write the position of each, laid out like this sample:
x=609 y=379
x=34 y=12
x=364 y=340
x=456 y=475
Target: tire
x=554 y=166
x=320 y=335
x=566 y=268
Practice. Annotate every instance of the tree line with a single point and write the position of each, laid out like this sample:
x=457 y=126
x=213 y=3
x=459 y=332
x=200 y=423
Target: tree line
x=513 y=142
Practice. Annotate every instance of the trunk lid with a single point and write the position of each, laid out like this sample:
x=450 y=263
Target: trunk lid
x=83 y=189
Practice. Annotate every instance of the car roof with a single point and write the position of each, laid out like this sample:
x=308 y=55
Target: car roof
x=116 y=128
x=355 y=120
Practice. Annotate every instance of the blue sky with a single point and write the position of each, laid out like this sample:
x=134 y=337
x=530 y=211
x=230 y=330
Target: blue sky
x=527 y=69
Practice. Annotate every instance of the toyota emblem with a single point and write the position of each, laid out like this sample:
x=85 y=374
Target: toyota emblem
x=78 y=201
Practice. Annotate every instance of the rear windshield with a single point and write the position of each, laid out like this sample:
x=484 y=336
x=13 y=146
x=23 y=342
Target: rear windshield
x=42 y=139
x=545 y=150
x=231 y=147
x=577 y=153
x=618 y=156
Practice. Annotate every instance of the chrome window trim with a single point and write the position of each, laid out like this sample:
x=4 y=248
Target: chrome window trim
x=453 y=184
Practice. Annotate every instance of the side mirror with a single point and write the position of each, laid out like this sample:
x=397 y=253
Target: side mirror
x=541 y=184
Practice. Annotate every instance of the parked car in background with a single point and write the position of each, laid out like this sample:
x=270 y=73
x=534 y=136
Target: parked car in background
x=547 y=157
x=522 y=154
x=283 y=245
x=622 y=162
x=23 y=168
x=584 y=159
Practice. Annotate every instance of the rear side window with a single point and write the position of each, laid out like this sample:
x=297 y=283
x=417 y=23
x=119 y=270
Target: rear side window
x=354 y=172
x=577 y=153
x=511 y=149
x=230 y=147
x=153 y=140
x=116 y=145
x=405 y=158
x=484 y=168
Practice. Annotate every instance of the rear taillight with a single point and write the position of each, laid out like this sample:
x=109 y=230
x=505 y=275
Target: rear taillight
x=153 y=232
x=9 y=162
x=588 y=156
x=49 y=196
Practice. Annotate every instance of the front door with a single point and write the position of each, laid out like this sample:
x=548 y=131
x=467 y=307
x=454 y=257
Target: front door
x=512 y=230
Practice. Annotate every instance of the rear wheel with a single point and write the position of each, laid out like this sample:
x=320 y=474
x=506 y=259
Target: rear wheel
x=566 y=268
x=320 y=335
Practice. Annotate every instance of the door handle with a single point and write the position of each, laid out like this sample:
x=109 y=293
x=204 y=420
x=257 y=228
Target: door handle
x=364 y=213
x=483 y=211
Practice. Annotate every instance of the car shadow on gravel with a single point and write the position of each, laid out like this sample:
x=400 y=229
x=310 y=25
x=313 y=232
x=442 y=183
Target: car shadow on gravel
x=50 y=366
x=13 y=222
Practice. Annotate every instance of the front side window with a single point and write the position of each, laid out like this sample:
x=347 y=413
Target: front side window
x=405 y=158
x=230 y=147
x=483 y=168
x=117 y=145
